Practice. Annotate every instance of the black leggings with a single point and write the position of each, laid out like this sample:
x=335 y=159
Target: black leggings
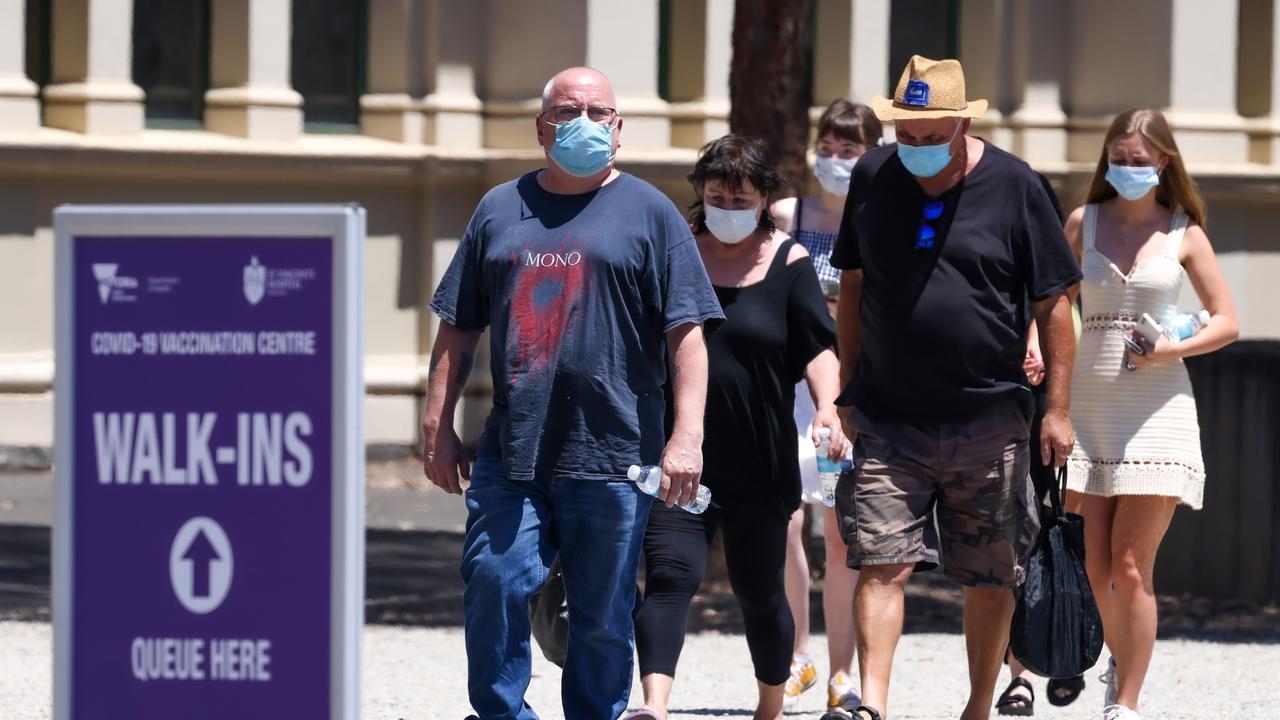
x=675 y=555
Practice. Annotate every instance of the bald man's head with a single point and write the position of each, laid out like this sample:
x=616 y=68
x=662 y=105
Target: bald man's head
x=579 y=92
x=570 y=87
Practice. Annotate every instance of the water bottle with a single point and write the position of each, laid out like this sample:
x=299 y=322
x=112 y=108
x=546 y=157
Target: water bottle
x=1180 y=326
x=828 y=469
x=649 y=480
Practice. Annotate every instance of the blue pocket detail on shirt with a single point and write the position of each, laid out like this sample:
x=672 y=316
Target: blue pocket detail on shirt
x=917 y=93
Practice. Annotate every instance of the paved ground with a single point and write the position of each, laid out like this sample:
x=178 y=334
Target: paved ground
x=416 y=674
x=1216 y=659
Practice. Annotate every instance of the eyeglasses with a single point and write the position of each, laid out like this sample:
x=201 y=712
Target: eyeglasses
x=927 y=236
x=568 y=113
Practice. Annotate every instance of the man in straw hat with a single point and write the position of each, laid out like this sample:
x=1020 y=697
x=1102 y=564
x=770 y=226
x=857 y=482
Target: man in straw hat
x=948 y=245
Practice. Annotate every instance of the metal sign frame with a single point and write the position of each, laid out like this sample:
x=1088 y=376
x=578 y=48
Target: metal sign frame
x=345 y=225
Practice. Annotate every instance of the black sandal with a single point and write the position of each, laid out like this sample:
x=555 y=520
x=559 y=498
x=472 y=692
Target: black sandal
x=1072 y=685
x=857 y=714
x=1019 y=705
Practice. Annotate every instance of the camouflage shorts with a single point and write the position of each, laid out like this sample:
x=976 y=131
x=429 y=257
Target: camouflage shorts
x=972 y=476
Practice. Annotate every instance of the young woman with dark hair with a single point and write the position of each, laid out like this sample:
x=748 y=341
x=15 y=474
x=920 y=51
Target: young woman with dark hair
x=777 y=331
x=845 y=131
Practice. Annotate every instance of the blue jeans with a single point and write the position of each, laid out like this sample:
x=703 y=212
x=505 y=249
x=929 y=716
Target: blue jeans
x=514 y=529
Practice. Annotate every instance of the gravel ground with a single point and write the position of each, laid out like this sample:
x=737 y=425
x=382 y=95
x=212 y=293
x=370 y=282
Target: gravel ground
x=419 y=674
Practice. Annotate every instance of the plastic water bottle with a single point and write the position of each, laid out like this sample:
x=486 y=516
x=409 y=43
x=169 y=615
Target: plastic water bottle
x=828 y=469
x=1180 y=326
x=649 y=479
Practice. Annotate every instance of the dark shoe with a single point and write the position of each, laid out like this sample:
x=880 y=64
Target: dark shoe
x=862 y=712
x=1064 y=692
x=1019 y=705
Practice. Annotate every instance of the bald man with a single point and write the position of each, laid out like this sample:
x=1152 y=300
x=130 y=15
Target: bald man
x=589 y=282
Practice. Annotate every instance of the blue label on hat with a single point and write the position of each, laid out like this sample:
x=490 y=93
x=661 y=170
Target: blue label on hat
x=917 y=93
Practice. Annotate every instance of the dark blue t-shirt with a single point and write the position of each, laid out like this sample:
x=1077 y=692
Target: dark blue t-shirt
x=578 y=292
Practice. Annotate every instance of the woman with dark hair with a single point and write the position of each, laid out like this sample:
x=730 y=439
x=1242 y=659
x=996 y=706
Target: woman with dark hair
x=845 y=131
x=777 y=331
x=1137 y=454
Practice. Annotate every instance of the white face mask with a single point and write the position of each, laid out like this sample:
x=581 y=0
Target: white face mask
x=833 y=173
x=731 y=226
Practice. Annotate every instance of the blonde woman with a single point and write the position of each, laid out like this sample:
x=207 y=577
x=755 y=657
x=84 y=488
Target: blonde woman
x=1137 y=454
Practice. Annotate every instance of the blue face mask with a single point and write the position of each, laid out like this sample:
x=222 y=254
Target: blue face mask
x=926 y=160
x=1133 y=182
x=583 y=148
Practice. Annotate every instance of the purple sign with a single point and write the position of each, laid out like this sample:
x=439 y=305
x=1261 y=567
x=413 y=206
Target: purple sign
x=203 y=477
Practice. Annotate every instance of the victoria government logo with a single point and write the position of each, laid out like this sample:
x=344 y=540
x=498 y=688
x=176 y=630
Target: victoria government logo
x=111 y=285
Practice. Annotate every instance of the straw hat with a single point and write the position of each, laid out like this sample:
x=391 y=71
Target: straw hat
x=928 y=89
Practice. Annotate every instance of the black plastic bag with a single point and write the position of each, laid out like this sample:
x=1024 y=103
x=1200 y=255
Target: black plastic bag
x=549 y=616
x=1057 y=630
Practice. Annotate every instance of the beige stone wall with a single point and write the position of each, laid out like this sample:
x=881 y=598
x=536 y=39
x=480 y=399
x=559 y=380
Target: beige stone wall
x=452 y=89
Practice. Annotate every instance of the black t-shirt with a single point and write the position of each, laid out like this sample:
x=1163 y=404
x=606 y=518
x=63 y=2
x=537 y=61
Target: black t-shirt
x=772 y=330
x=942 y=327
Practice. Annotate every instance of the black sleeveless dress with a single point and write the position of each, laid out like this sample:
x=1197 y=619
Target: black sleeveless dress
x=772 y=330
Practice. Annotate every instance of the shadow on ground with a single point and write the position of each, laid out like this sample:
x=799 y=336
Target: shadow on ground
x=412 y=579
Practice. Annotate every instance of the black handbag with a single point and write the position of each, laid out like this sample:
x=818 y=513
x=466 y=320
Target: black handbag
x=549 y=616
x=1057 y=630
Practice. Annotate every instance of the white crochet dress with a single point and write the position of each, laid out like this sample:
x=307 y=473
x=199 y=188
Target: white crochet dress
x=1136 y=432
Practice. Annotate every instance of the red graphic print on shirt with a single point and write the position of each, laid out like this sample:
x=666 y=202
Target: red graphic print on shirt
x=548 y=291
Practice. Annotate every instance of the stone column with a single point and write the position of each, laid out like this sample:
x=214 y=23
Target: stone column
x=986 y=51
x=1101 y=50
x=19 y=103
x=1202 y=88
x=453 y=111
x=250 y=95
x=622 y=42
x=91 y=89
x=1183 y=62
x=618 y=38
x=525 y=44
x=701 y=54
x=1039 y=45
x=1259 y=78
x=391 y=106
x=851 y=50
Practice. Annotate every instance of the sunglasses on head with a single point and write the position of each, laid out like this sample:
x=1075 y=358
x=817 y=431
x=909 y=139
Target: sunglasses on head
x=927 y=236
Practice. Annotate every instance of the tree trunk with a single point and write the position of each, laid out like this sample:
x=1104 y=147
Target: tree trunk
x=770 y=80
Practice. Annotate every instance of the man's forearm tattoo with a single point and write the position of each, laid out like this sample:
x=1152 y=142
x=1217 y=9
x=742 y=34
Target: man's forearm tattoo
x=431 y=371
x=465 y=361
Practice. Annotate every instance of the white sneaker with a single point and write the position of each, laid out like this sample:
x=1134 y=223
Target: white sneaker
x=1112 y=692
x=1119 y=712
x=1108 y=678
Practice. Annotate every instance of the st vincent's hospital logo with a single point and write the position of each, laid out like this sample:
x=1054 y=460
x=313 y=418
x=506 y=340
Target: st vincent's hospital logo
x=255 y=281
x=262 y=282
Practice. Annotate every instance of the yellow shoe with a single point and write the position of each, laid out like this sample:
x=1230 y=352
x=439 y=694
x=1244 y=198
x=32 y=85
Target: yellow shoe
x=840 y=693
x=803 y=676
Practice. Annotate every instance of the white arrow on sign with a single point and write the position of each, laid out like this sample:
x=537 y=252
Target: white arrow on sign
x=201 y=565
